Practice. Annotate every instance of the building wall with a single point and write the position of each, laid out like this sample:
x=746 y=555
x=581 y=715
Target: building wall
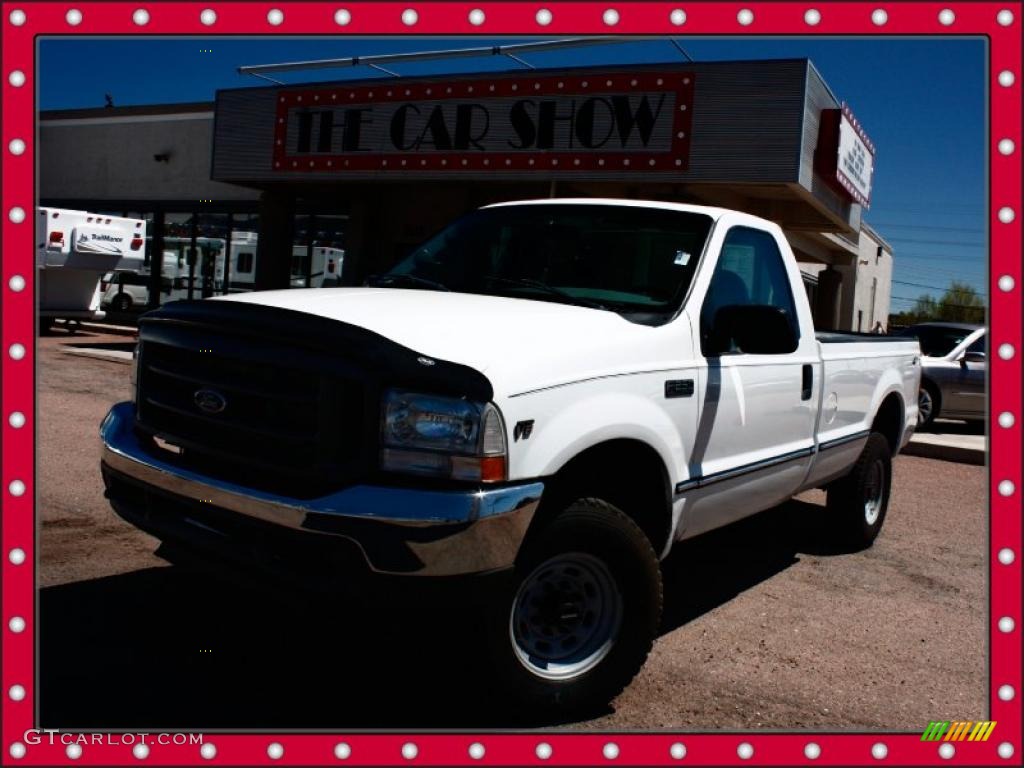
x=112 y=158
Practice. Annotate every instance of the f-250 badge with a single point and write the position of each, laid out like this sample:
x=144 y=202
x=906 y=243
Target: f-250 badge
x=522 y=429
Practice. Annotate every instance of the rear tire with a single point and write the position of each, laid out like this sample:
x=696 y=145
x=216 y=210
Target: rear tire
x=122 y=302
x=857 y=503
x=577 y=621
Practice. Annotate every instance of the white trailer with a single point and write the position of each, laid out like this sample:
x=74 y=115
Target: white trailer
x=73 y=251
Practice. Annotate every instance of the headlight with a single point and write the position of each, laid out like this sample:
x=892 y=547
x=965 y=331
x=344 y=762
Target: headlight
x=442 y=436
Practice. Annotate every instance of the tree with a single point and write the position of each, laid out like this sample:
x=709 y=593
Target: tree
x=959 y=304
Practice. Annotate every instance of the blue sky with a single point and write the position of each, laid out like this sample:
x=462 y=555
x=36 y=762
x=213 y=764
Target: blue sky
x=922 y=101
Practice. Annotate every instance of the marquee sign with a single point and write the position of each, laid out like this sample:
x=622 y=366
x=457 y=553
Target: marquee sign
x=592 y=122
x=846 y=153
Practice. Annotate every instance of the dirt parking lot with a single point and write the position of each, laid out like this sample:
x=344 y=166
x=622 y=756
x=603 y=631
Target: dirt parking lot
x=764 y=627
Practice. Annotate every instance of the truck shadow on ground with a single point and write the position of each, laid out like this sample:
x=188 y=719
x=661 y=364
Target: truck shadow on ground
x=181 y=648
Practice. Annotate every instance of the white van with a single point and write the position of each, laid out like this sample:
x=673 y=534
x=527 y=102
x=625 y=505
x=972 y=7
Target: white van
x=73 y=251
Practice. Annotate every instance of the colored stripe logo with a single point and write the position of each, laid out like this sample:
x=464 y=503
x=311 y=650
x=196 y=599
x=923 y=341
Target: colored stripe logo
x=958 y=730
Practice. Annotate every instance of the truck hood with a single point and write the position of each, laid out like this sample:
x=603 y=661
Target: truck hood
x=519 y=344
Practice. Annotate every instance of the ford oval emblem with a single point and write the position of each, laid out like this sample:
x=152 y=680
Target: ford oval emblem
x=209 y=401
x=424 y=360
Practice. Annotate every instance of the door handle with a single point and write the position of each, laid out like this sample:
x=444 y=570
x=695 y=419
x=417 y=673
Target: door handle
x=807 y=383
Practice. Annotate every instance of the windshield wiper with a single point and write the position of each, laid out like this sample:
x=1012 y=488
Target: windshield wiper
x=551 y=290
x=384 y=280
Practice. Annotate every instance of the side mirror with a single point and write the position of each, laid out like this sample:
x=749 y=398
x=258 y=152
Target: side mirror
x=972 y=357
x=757 y=329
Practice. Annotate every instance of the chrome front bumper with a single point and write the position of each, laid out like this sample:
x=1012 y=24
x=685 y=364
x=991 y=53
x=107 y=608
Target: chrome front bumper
x=405 y=531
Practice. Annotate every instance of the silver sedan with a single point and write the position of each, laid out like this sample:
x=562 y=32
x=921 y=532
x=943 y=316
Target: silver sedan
x=952 y=371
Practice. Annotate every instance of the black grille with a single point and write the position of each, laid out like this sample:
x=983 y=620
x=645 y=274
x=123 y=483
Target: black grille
x=281 y=427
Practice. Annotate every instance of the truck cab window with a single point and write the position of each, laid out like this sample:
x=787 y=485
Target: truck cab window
x=749 y=272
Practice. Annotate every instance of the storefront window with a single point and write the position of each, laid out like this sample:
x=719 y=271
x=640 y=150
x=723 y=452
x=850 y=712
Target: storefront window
x=299 y=273
x=328 y=250
x=211 y=247
x=179 y=257
x=240 y=267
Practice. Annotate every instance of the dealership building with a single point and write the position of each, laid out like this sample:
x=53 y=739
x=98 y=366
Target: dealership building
x=375 y=167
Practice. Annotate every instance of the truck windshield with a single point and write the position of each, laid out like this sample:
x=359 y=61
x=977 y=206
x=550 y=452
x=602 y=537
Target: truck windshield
x=632 y=260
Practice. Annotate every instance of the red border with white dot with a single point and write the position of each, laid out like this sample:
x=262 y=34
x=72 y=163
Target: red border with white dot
x=1000 y=22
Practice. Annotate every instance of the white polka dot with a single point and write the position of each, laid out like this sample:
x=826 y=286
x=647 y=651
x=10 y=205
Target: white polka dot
x=17 y=351
x=543 y=750
x=410 y=17
x=208 y=17
x=477 y=17
x=878 y=18
x=141 y=18
x=1006 y=214
x=342 y=751
x=1006 y=625
x=1006 y=488
x=678 y=751
x=73 y=751
x=17 y=17
x=1006 y=556
x=1006 y=283
x=1006 y=146
x=610 y=751
x=16 y=214
x=812 y=751
x=745 y=750
x=410 y=750
x=1006 y=420
x=17 y=750
x=1006 y=692
x=17 y=488
x=16 y=78
x=16 y=283
x=1006 y=78
x=1005 y=750
x=17 y=625
x=1005 y=17
x=946 y=17
x=275 y=16
x=678 y=17
x=1006 y=351
x=342 y=17
x=208 y=751
x=16 y=692
x=73 y=17
x=745 y=17
x=141 y=751
x=544 y=17
x=476 y=750
x=812 y=17
x=610 y=17
x=275 y=751
x=946 y=751
x=17 y=556
x=879 y=751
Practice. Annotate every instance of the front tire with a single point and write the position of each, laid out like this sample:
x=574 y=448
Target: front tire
x=581 y=614
x=122 y=302
x=857 y=503
x=927 y=404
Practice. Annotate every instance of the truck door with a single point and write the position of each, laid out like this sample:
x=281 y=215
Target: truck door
x=755 y=433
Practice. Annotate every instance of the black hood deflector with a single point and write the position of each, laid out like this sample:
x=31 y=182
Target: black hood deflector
x=290 y=331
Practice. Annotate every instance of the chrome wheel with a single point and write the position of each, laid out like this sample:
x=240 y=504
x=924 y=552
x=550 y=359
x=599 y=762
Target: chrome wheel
x=566 y=616
x=925 y=405
x=874 y=491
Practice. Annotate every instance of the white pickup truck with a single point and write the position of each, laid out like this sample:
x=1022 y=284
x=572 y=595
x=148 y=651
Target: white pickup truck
x=553 y=391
